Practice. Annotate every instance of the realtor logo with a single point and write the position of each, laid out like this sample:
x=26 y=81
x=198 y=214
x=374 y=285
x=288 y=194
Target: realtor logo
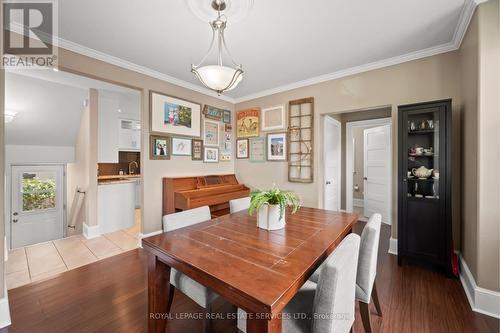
x=29 y=30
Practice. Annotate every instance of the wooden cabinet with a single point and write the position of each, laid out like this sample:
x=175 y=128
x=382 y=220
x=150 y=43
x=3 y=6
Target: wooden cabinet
x=424 y=185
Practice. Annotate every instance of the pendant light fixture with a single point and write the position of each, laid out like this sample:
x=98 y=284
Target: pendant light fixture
x=218 y=77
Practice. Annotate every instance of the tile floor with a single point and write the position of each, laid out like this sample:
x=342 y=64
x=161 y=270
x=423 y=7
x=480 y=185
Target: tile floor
x=41 y=261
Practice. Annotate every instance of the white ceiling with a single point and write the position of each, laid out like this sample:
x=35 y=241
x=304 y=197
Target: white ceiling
x=49 y=105
x=280 y=43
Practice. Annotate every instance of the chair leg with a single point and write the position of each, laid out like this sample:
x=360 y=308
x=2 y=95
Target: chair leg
x=376 y=301
x=170 y=298
x=207 y=322
x=365 y=316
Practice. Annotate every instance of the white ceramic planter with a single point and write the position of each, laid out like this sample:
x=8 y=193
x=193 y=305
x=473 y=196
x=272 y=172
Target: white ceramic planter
x=269 y=218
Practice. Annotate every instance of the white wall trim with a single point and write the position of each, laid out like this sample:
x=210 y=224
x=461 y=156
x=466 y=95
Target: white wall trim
x=358 y=202
x=4 y=311
x=349 y=189
x=460 y=30
x=4 y=301
x=90 y=232
x=140 y=236
x=86 y=51
x=481 y=300
x=393 y=246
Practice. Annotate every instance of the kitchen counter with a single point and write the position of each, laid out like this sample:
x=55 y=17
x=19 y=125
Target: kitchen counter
x=117 y=179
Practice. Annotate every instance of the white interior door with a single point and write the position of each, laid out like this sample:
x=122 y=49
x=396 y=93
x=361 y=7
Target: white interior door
x=331 y=150
x=377 y=171
x=37 y=213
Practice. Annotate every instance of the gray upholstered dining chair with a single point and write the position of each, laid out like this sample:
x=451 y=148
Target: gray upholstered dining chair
x=367 y=270
x=197 y=292
x=240 y=204
x=326 y=306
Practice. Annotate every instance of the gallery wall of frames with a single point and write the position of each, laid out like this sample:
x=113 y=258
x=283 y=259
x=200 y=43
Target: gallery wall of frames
x=185 y=128
x=264 y=135
x=205 y=133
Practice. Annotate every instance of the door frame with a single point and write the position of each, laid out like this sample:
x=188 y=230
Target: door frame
x=327 y=119
x=8 y=197
x=349 y=170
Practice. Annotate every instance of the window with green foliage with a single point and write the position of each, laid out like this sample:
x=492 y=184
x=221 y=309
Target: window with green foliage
x=38 y=192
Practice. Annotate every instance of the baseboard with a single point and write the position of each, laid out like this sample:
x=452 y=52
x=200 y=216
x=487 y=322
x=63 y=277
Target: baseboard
x=90 y=232
x=140 y=236
x=393 y=246
x=358 y=202
x=481 y=300
x=4 y=309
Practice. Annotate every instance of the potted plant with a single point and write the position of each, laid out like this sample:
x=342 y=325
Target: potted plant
x=270 y=206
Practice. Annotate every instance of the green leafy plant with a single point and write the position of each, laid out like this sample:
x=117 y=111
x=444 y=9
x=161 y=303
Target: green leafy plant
x=274 y=196
x=38 y=194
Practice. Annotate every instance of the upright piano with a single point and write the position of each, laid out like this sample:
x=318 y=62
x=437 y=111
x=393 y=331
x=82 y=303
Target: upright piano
x=215 y=191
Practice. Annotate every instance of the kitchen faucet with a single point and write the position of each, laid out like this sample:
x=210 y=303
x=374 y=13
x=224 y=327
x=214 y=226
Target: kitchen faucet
x=130 y=172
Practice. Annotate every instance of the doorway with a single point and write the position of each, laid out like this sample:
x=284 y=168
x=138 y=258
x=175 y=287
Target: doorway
x=369 y=168
x=332 y=136
x=37 y=204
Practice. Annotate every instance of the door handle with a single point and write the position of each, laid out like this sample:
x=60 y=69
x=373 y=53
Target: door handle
x=328 y=183
x=14 y=220
x=15 y=213
x=365 y=178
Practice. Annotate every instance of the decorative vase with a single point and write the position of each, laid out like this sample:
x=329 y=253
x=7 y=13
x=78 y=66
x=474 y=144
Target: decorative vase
x=268 y=217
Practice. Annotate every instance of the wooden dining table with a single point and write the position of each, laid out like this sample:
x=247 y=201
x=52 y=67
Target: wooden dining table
x=256 y=270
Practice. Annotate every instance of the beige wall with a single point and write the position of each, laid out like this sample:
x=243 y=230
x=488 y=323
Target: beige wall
x=488 y=233
x=479 y=60
x=152 y=171
x=427 y=79
x=83 y=172
x=469 y=143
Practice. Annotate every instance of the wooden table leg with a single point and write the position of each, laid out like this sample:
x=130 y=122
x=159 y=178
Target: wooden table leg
x=158 y=294
x=258 y=324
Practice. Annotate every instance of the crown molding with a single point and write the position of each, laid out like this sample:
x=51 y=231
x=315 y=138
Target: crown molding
x=463 y=23
x=465 y=17
x=83 y=50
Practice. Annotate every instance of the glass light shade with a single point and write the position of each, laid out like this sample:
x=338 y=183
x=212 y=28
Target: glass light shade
x=219 y=78
x=9 y=116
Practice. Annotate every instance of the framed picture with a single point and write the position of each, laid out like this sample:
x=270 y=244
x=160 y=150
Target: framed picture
x=257 y=150
x=174 y=116
x=159 y=147
x=242 y=148
x=273 y=118
x=210 y=155
x=181 y=147
x=226 y=117
x=211 y=131
x=247 y=123
x=276 y=147
x=197 y=150
x=227 y=147
x=212 y=112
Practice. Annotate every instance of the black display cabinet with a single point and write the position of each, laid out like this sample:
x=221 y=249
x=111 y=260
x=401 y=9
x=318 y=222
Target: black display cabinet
x=424 y=185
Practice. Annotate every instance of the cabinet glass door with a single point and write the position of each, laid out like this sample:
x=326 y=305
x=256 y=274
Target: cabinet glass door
x=423 y=155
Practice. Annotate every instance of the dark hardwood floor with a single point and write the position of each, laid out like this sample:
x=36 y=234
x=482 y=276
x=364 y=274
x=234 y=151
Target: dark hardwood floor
x=110 y=296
